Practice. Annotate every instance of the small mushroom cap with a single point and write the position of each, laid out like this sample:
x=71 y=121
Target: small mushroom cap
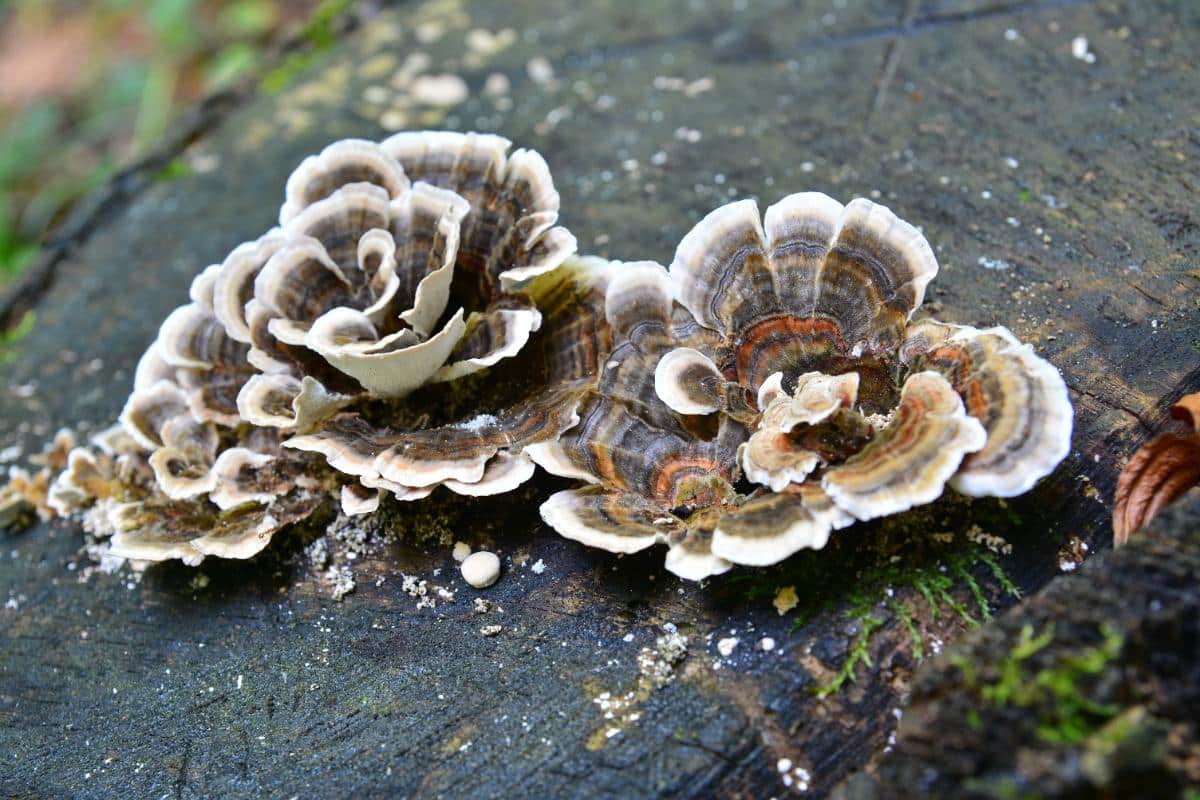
x=234 y=286
x=358 y=500
x=147 y=410
x=624 y=451
x=183 y=465
x=404 y=493
x=629 y=521
x=192 y=337
x=344 y=162
x=282 y=401
x=1020 y=398
x=503 y=473
x=772 y=456
x=770 y=527
x=194 y=350
x=638 y=302
x=770 y=459
x=513 y=194
x=487 y=338
x=814 y=399
x=389 y=366
x=689 y=382
x=152 y=368
x=620 y=522
x=244 y=476
x=157 y=530
x=910 y=460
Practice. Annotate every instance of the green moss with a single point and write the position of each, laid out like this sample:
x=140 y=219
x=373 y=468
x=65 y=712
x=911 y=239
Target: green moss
x=859 y=654
x=318 y=35
x=903 y=612
x=935 y=586
x=878 y=575
x=10 y=338
x=1058 y=693
x=999 y=574
x=175 y=168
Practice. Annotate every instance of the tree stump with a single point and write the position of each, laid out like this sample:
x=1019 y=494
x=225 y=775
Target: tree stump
x=1059 y=193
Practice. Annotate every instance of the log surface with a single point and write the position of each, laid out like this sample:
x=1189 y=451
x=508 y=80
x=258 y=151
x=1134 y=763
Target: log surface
x=1060 y=196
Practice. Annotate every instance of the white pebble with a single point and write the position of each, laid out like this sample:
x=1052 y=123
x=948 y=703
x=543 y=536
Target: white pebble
x=725 y=646
x=540 y=70
x=461 y=551
x=439 y=90
x=767 y=644
x=481 y=569
x=1079 y=49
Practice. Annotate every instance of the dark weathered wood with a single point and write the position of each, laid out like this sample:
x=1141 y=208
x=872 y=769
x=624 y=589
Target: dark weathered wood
x=1114 y=654
x=929 y=108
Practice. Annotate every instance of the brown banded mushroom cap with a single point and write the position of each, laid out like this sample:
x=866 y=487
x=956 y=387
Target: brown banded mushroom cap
x=911 y=459
x=1020 y=398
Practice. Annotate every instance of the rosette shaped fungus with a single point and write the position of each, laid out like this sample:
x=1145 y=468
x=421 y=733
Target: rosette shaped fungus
x=796 y=328
x=662 y=477
x=400 y=265
x=395 y=267
x=530 y=399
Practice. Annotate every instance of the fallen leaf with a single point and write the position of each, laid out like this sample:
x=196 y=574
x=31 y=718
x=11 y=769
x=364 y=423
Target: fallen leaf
x=1188 y=410
x=1163 y=469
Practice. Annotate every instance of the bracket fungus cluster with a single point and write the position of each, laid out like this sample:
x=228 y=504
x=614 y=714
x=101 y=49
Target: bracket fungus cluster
x=396 y=267
x=769 y=388
x=765 y=390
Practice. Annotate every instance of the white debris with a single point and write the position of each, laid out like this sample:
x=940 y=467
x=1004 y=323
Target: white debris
x=439 y=90
x=496 y=85
x=540 y=70
x=1079 y=49
x=481 y=569
x=766 y=644
x=657 y=665
x=726 y=646
x=993 y=263
x=461 y=551
x=538 y=567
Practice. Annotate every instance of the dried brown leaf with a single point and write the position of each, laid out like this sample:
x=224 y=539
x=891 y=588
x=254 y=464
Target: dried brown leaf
x=1188 y=410
x=1163 y=469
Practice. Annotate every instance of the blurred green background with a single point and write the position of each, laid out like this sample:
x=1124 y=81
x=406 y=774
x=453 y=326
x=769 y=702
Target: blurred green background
x=86 y=87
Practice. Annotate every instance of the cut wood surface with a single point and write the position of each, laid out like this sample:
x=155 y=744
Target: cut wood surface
x=1060 y=195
